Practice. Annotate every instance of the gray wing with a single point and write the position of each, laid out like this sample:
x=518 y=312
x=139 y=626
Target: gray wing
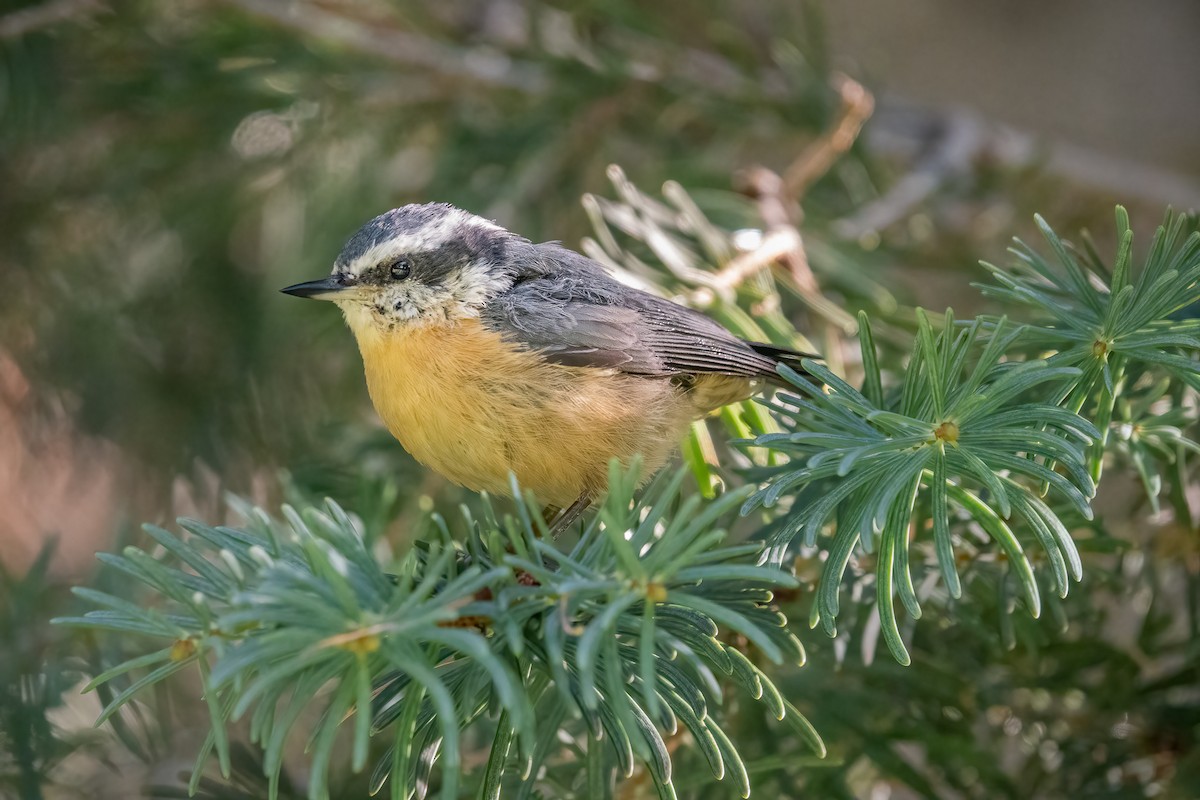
x=574 y=313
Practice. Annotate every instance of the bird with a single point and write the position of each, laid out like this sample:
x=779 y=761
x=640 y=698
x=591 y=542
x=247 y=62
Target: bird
x=488 y=355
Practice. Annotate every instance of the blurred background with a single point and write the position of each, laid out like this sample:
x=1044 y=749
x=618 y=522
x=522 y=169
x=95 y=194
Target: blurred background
x=166 y=167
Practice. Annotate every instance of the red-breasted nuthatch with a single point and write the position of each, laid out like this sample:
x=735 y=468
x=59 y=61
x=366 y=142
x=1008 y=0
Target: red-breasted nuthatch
x=487 y=354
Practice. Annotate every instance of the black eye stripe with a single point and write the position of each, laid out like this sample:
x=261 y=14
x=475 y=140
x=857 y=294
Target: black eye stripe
x=443 y=263
x=432 y=267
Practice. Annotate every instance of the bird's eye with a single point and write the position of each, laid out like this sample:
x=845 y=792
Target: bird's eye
x=401 y=269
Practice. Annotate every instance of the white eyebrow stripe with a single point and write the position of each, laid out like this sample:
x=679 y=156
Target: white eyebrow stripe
x=430 y=237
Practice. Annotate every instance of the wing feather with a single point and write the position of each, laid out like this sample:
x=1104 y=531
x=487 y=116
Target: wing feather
x=574 y=313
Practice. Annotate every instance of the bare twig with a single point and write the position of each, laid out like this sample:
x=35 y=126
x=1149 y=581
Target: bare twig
x=35 y=18
x=777 y=196
x=778 y=243
x=478 y=65
x=776 y=210
x=943 y=145
x=950 y=147
x=821 y=155
x=778 y=206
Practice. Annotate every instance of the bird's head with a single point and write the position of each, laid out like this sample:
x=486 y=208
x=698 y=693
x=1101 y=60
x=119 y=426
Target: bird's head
x=417 y=265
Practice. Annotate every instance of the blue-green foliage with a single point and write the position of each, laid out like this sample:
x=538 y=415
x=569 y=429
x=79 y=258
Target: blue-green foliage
x=970 y=436
x=1120 y=329
x=958 y=437
x=621 y=630
x=1097 y=319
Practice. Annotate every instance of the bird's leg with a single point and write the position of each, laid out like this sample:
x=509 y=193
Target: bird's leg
x=549 y=513
x=570 y=515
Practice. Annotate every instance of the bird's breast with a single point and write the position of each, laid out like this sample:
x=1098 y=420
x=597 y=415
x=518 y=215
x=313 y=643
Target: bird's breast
x=474 y=407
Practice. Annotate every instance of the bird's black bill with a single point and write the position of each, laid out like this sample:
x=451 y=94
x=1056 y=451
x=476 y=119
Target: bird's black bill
x=324 y=289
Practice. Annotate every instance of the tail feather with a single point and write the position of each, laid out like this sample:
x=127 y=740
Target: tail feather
x=783 y=355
